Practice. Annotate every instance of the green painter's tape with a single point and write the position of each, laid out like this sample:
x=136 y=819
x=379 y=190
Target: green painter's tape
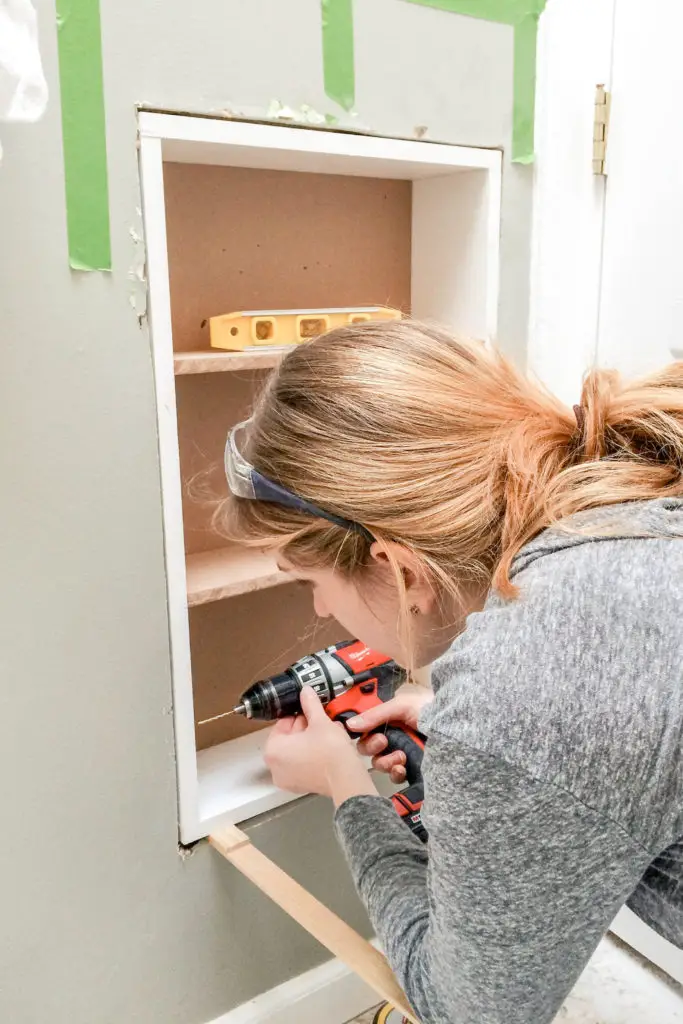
x=509 y=12
x=524 y=93
x=83 y=131
x=338 y=61
x=523 y=15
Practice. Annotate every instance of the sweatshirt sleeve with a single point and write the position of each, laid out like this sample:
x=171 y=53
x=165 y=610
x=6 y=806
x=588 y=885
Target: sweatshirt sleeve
x=495 y=919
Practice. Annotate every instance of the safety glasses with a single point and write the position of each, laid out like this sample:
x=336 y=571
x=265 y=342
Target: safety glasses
x=246 y=482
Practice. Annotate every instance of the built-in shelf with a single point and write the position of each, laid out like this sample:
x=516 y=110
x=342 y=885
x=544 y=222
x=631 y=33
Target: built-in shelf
x=222 y=362
x=227 y=572
x=356 y=220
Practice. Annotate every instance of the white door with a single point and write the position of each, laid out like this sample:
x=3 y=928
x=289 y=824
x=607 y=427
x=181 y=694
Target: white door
x=641 y=296
x=640 y=312
x=607 y=260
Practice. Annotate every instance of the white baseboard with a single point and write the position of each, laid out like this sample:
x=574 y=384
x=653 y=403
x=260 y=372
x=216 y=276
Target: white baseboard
x=330 y=993
x=333 y=994
x=635 y=933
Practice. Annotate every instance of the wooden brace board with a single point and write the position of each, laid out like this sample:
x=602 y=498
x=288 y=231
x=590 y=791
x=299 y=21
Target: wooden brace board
x=342 y=941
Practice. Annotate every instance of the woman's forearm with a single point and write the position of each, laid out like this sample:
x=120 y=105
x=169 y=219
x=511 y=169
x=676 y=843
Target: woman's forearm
x=345 y=783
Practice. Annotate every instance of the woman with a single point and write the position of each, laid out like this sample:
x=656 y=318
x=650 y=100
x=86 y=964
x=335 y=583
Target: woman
x=416 y=483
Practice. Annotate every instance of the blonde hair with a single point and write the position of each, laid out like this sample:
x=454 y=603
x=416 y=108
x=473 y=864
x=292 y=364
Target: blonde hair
x=444 y=446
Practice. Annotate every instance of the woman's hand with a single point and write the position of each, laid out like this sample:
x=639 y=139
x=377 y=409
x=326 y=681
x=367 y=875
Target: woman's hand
x=311 y=754
x=404 y=709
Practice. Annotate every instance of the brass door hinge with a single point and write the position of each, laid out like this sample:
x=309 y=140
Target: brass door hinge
x=600 y=127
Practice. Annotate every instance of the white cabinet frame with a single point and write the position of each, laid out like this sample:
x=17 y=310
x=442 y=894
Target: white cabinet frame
x=455 y=266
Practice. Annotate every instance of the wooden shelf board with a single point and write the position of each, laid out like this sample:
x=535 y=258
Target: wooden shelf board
x=234 y=783
x=222 y=362
x=226 y=572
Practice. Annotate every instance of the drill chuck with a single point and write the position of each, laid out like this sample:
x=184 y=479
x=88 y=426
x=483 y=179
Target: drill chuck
x=271 y=698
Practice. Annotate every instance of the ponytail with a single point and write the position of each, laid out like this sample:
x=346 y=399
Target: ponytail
x=627 y=445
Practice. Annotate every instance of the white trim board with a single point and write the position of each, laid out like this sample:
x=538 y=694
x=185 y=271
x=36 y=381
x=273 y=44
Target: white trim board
x=330 y=993
x=333 y=994
x=159 y=307
x=200 y=140
x=635 y=933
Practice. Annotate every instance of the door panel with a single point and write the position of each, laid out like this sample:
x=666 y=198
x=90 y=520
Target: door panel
x=641 y=302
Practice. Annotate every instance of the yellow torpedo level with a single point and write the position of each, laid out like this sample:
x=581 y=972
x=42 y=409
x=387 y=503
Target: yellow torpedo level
x=273 y=327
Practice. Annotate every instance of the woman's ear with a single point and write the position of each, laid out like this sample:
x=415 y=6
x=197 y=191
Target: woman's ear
x=394 y=558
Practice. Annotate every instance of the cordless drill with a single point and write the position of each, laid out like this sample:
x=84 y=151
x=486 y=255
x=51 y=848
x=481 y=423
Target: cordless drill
x=348 y=678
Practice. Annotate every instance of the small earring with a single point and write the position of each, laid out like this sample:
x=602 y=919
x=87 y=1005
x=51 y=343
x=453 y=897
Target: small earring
x=414 y=610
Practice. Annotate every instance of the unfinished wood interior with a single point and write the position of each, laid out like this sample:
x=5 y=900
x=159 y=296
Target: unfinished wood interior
x=208 y=406
x=241 y=238
x=237 y=641
x=229 y=571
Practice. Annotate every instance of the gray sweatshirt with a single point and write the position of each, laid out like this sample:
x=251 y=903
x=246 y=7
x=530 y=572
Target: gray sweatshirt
x=553 y=777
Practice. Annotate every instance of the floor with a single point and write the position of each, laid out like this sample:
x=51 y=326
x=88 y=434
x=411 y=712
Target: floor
x=617 y=987
x=365 y=1018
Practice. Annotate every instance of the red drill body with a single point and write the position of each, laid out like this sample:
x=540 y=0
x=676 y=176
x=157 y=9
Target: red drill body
x=349 y=678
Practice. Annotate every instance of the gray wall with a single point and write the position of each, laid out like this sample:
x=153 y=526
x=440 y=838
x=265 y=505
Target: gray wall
x=103 y=920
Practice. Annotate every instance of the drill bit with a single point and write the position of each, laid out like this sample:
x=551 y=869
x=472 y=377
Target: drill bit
x=235 y=711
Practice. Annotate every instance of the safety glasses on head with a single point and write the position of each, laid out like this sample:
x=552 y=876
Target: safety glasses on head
x=246 y=482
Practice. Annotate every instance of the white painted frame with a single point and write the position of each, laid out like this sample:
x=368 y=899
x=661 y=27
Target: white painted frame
x=455 y=268
x=159 y=313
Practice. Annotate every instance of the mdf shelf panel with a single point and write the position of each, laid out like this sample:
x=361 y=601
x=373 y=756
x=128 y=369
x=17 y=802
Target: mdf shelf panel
x=208 y=405
x=227 y=572
x=225 y=362
x=242 y=239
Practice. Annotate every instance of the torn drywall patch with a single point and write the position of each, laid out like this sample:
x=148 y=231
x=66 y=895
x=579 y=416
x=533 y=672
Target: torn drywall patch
x=304 y=114
x=137 y=272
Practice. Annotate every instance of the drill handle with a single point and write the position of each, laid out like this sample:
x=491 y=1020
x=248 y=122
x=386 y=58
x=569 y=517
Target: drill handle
x=411 y=743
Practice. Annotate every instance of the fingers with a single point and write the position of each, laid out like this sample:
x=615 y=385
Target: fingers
x=283 y=726
x=311 y=705
x=373 y=744
x=391 y=764
x=388 y=762
x=393 y=711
